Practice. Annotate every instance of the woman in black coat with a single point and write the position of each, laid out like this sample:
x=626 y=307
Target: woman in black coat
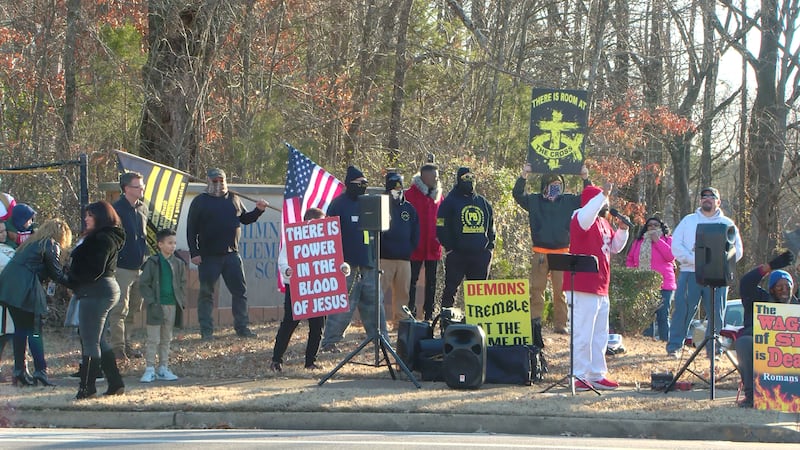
x=36 y=260
x=91 y=277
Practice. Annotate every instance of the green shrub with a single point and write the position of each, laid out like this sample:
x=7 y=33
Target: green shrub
x=635 y=295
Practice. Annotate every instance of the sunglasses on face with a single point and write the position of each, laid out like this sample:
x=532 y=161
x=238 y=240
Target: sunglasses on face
x=468 y=177
x=708 y=196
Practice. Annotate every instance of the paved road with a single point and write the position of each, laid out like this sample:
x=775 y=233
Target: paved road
x=227 y=439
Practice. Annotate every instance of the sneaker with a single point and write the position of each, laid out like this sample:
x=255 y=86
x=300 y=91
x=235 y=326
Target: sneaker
x=207 y=337
x=149 y=375
x=581 y=386
x=674 y=354
x=275 y=367
x=164 y=374
x=562 y=330
x=246 y=333
x=313 y=366
x=330 y=348
x=605 y=384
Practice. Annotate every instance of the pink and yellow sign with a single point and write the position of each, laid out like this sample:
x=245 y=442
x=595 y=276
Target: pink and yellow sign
x=776 y=356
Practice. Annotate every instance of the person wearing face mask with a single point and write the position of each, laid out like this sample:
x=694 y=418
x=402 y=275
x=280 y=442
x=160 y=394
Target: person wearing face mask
x=397 y=243
x=359 y=253
x=465 y=227
x=549 y=212
x=688 y=291
x=213 y=228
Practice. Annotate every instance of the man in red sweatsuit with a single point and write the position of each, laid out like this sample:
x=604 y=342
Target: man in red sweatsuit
x=592 y=234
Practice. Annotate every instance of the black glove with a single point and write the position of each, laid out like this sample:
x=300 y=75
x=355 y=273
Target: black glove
x=782 y=260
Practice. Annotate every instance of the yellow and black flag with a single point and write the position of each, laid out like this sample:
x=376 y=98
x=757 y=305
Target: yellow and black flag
x=165 y=188
x=559 y=120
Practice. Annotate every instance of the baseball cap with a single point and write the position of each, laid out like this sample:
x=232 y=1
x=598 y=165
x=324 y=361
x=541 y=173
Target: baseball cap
x=215 y=173
x=710 y=190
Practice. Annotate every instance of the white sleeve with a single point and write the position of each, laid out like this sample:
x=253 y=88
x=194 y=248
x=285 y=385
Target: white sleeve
x=588 y=214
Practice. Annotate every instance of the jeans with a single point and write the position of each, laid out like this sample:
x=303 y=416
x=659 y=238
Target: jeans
x=232 y=271
x=744 y=355
x=662 y=316
x=97 y=298
x=687 y=298
x=24 y=336
x=363 y=294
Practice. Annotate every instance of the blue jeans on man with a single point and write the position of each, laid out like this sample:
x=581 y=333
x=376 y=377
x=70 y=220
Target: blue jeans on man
x=687 y=298
x=662 y=317
x=230 y=267
x=363 y=293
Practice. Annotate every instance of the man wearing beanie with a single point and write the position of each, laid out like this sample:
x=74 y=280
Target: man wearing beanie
x=465 y=228
x=549 y=213
x=358 y=248
x=397 y=243
x=213 y=227
x=689 y=292
x=590 y=233
x=780 y=287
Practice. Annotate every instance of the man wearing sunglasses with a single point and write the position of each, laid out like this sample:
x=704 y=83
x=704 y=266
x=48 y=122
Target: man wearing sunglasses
x=689 y=292
x=465 y=228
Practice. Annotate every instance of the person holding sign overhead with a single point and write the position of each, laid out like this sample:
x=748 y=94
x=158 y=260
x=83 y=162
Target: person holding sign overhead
x=288 y=324
x=549 y=212
x=590 y=233
x=780 y=291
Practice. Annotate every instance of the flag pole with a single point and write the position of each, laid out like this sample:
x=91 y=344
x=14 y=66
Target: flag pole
x=198 y=180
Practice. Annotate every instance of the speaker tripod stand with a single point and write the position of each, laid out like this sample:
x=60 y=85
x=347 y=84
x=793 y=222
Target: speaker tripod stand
x=714 y=339
x=382 y=345
x=572 y=264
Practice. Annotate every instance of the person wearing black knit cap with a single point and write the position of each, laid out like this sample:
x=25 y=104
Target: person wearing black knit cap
x=780 y=286
x=397 y=243
x=359 y=254
x=465 y=228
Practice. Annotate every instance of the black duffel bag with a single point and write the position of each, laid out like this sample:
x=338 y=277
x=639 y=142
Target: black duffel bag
x=430 y=359
x=514 y=364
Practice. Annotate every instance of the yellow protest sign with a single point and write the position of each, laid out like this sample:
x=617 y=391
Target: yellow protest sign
x=501 y=308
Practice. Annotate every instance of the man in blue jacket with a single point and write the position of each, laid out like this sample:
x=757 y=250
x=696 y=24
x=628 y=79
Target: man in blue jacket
x=358 y=248
x=465 y=227
x=397 y=243
x=133 y=213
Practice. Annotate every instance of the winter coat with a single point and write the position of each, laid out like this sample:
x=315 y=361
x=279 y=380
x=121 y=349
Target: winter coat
x=134 y=222
x=214 y=224
x=548 y=220
x=465 y=223
x=95 y=257
x=356 y=251
x=150 y=288
x=426 y=201
x=21 y=280
x=661 y=259
x=402 y=236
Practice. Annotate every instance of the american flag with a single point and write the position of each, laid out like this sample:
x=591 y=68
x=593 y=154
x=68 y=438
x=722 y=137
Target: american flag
x=307 y=186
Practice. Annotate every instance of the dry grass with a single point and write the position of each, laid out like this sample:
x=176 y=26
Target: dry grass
x=230 y=373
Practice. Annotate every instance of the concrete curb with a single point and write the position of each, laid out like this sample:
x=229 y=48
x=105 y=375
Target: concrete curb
x=418 y=422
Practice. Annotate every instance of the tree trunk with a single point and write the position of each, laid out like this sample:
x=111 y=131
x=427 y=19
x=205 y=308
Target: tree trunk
x=398 y=89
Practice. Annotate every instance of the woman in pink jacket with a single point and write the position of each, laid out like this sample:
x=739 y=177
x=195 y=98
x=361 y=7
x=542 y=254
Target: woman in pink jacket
x=652 y=250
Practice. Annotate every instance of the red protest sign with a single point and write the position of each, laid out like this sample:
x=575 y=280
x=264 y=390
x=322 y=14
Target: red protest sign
x=314 y=252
